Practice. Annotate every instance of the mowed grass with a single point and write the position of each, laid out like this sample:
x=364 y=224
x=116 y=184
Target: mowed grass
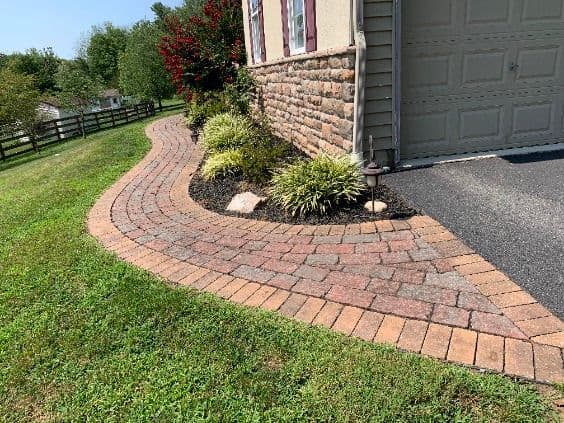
x=86 y=337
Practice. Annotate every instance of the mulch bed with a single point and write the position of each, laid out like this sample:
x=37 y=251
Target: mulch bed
x=216 y=195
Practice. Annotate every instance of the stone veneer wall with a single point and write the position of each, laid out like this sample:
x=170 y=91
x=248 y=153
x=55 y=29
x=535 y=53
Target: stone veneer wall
x=309 y=99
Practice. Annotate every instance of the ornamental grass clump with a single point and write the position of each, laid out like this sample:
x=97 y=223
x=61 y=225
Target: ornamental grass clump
x=227 y=131
x=221 y=164
x=317 y=186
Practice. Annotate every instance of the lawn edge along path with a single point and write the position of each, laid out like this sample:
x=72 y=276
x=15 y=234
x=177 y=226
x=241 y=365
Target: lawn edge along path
x=408 y=283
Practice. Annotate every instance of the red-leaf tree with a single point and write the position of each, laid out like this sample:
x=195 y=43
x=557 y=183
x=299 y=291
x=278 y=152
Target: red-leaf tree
x=203 y=53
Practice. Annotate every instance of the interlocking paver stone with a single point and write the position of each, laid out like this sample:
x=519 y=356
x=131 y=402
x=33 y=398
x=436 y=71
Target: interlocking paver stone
x=410 y=282
x=478 y=302
x=449 y=280
x=413 y=335
x=429 y=294
x=451 y=316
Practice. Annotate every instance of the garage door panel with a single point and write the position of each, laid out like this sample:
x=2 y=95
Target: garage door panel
x=481 y=123
x=429 y=71
x=455 y=70
x=539 y=63
x=480 y=12
x=428 y=130
x=430 y=15
x=533 y=118
x=537 y=11
x=484 y=67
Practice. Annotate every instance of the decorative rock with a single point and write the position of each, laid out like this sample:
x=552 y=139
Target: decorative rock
x=245 y=203
x=379 y=206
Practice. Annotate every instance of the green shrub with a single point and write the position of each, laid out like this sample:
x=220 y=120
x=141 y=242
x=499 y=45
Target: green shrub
x=260 y=158
x=237 y=95
x=317 y=185
x=203 y=108
x=227 y=131
x=221 y=164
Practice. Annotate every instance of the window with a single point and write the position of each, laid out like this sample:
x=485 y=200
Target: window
x=299 y=26
x=256 y=33
x=296 y=26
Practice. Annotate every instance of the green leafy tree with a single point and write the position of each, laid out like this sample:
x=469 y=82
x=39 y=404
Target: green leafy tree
x=161 y=12
x=3 y=60
x=41 y=64
x=102 y=52
x=189 y=8
x=141 y=67
x=78 y=90
x=18 y=101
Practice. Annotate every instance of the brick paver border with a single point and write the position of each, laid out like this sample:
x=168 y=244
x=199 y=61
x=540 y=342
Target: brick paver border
x=409 y=283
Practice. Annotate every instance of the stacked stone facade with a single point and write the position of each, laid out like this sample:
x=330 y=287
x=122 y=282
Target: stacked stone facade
x=309 y=99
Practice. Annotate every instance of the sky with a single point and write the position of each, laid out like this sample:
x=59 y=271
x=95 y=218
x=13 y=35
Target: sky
x=61 y=24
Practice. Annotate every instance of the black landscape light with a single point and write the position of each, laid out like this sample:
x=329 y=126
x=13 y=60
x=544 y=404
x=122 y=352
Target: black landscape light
x=195 y=135
x=372 y=172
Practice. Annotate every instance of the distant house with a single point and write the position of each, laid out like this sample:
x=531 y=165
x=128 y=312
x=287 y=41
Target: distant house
x=109 y=99
x=50 y=108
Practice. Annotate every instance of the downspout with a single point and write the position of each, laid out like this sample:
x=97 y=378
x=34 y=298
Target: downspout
x=357 y=35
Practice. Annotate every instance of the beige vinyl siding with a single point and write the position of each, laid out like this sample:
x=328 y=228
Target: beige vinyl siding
x=378 y=25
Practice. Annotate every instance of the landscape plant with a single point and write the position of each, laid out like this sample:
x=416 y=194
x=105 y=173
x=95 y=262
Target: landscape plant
x=203 y=107
x=228 y=131
x=317 y=185
x=261 y=157
x=222 y=164
x=203 y=52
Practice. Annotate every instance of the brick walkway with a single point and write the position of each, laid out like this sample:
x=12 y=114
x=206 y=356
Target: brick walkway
x=408 y=283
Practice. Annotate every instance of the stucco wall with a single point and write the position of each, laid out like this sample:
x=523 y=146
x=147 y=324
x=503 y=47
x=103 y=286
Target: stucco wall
x=333 y=23
x=333 y=18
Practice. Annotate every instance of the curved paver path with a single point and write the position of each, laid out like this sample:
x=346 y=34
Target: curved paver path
x=409 y=283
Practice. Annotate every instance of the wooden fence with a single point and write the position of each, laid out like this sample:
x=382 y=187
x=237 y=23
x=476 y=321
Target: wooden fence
x=57 y=130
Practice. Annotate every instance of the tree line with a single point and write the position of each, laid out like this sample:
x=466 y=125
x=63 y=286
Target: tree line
x=196 y=46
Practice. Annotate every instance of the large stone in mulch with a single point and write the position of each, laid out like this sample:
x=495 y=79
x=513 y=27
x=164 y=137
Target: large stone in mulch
x=379 y=206
x=245 y=203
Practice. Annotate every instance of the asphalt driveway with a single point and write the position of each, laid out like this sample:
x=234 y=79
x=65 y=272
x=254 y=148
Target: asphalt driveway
x=510 y=210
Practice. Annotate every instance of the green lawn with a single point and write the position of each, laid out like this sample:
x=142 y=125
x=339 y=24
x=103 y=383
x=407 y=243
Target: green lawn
x=84 y=336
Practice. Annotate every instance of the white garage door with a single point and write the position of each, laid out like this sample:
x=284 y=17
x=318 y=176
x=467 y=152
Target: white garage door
x=481 y=74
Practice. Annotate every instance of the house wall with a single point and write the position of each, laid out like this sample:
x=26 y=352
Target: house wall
x=378 y=116
x=333 y=21
x=310 y=99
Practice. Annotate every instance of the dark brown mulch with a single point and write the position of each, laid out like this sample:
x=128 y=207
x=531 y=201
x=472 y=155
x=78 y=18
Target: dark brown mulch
x=216 y=195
